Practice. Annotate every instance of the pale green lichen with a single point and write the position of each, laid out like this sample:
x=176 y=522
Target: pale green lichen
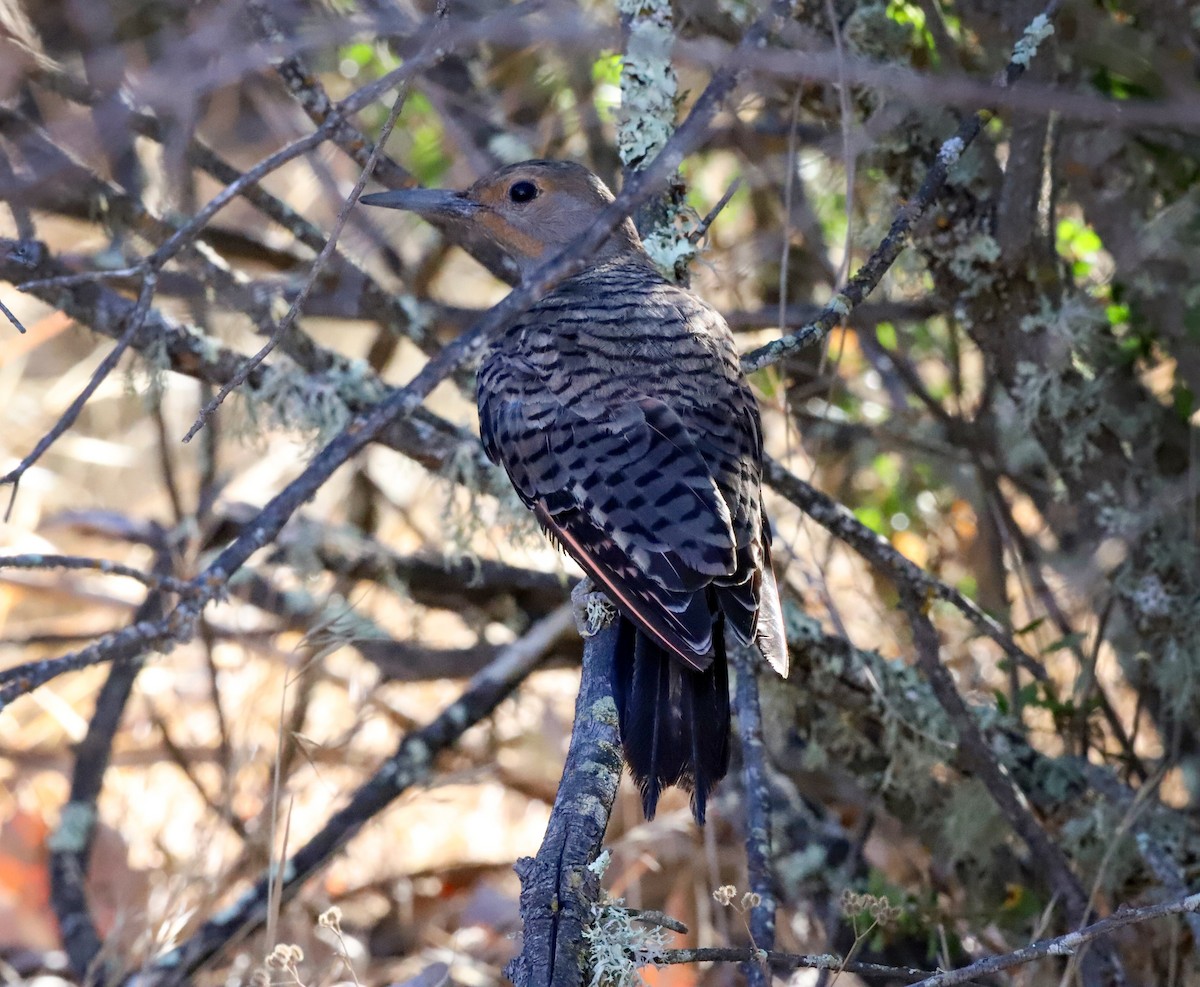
x=418 y=753
x=469 y=479
x=742 y=12
x=1043 y=394
x=420 y=314
x=799 y=625
x=75 y=825
x=306 y=406
x=974 y=263
x=1039 y=30
x=1100 y=844
x=812 y=861
x=648 y=81
x=317 y=406
x=619 y=947
x=1112 y=517
x=971 y=824
x=898 y=743
x=599 y=612
x=670 y=247
x=1151 y=598
x=599 y=866
x=509 y=148
x=645 y=121
x=203 y=345
x=605 y=711
x=840 y=304
x=148 y=375
x=869 y=31
x=951 y=151
x=589 y=806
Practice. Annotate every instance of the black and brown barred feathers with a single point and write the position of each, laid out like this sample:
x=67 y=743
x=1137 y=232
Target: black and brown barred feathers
x=618 y=409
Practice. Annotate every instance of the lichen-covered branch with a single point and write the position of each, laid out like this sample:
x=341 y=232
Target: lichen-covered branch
x=560 y=887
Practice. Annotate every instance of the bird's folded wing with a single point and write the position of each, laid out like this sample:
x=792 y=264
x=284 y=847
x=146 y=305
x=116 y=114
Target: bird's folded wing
x=628 y=495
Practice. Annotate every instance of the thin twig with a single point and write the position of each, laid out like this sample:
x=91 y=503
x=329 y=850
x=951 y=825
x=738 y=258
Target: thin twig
x=67 y=419
x=108 y=568
x=408 y=766
x=844 y=526
x=980 y=760
x=285 y=324
x=72 y=842
x=788 y=961
x=11 y=318
x=702 y=228
x=1064 y=945
x=375 y=301
x=869 y=275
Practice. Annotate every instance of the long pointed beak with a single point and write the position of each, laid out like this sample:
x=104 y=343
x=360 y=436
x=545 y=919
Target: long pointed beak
x=432 y=202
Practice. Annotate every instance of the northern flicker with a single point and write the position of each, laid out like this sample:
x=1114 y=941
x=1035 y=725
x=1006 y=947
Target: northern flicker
x=617 y=406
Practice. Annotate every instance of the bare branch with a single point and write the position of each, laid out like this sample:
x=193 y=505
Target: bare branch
x=132 y=326
x=407 y=767
x=867 y=277
x=105 y=566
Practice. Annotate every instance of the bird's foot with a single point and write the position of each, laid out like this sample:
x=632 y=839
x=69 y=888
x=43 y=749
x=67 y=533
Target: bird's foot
x=592 y=610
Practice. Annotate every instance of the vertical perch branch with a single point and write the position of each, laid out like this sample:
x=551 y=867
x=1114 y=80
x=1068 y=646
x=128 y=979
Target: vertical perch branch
x=559 y=889
x=758 y=808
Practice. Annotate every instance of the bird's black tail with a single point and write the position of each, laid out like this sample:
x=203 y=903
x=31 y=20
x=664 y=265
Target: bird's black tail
x=674 y=721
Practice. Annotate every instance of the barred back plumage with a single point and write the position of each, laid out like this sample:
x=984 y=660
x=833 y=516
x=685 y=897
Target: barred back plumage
x=617 y=406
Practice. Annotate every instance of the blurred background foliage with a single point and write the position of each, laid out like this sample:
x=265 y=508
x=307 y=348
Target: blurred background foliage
x=1012 y=411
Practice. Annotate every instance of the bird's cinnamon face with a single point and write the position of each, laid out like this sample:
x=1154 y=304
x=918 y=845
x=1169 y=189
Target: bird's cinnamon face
x=530 y=210
x=521 y=211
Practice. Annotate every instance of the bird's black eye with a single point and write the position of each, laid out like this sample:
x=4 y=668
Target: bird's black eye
x=523 y=192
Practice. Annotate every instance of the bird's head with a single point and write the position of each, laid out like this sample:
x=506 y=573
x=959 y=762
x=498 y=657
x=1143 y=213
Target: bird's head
x=530 y=210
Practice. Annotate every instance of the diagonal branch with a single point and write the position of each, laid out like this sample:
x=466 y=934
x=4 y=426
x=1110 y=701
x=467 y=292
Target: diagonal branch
x=1008 y=798
x=407 y=767
x=559 y=887
x=867 y=277
x=133 y=325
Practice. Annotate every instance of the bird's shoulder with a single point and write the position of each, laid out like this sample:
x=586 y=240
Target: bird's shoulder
x=623 y=312
x=633 y=287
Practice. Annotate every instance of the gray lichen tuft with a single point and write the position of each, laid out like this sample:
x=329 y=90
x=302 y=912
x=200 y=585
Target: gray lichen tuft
x=648 y=82
x=619 y=947
x=649 y=98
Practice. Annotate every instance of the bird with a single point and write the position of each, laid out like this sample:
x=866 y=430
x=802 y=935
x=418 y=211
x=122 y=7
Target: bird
x=617 y=407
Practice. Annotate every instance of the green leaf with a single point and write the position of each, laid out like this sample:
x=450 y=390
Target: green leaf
x=1033 y=625
x=872 y=517
x=1184 y=401
x=1068 y=641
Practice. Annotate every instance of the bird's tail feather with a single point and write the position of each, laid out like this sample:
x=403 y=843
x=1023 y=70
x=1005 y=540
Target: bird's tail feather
x=674 y=721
